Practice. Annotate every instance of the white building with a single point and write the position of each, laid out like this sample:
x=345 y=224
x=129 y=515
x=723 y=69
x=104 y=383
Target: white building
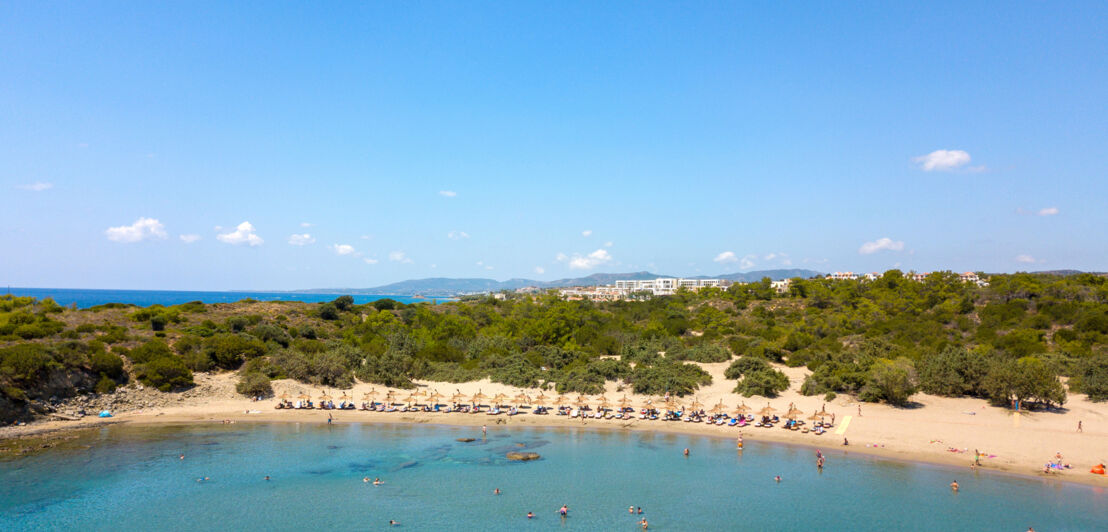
x=843 y=276
x=781 y=286
x=664 y=286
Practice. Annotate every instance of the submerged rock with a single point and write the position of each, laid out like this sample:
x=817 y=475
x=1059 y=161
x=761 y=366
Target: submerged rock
x=523 y=457
x=466 y=440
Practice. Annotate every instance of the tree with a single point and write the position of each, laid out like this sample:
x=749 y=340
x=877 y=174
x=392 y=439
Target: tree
x=1022 y=380
x=954 y=372
x=229 y=350
x=764 y=382
x=892 y=381
x=1092 y=377
x=165 y=373
x=328 y=311
x=344 y=303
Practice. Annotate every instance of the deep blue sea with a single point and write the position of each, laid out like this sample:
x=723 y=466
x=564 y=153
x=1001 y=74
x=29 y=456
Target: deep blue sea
x=123 y=478
x=85 y=298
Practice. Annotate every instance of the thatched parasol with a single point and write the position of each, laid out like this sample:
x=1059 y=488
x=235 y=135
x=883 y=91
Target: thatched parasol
x=582 y=400
x=458 y=397
x=696 y=405
x=742 y=409
x=624 y=402
x=522 y=399
x=767 y=411
x=793 y=412
x=285 y=396
x=539 y=401
x=815 y=417
x=499 y=399
x=434 y=397
x=345 y=397
x=325 y=397
x=477 y=397
x=561 y=399
x=369 y=395
x=718 y=409
x=303 y=397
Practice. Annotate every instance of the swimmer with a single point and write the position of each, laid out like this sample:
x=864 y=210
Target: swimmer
x=267 y=477
x=954 y=486
x=640 y=509
x=739 y=442
x=564 y=510
x=484 y=429
x=686 y=451
x=378 y=482
x=777 y=478
x=644 y=523
x=182 y=457
x=630 y=509
x=393 y=523
x=365 y=479
x=496 y=491
x=530 y=515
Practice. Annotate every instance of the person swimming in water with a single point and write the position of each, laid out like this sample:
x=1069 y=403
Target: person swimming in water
x=630 y=509
x=378 y=482
x=564 y=510
x=393 y=523
x=777 y=478
x=530 y=515
x=686 y=451
x=640 y=509
x=644 y=523
x=954 y=486
x=267 y=477
x=496 y=491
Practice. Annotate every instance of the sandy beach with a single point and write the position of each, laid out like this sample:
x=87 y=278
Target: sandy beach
x=1013 y=443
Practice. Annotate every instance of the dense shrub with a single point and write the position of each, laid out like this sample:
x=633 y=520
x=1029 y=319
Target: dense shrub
x=254 y=385
x=764 y=382
x=745 y=365
x=165 y=373
x=229 y=350
x=108 y=364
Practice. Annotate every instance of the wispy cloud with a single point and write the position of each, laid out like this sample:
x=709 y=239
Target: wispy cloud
x=448 y=193
x=142 y=229
x=342 y=249
x=37 y=186
x=586 y=262
x=306 y=224
x=540 y=270
x=943 y=160
x=1048 y=211
x=370 y=261
x=190 y=238
x=727 y=257
x=243 y=234
x=399 y=256
x=1026 y=259
x=302 y=239
x=886 y=244
x=457 y=235
x=608 y=244
x=586 y=233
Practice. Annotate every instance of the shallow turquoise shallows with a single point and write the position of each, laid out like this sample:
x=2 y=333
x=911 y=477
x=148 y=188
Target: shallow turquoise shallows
x=131 y=478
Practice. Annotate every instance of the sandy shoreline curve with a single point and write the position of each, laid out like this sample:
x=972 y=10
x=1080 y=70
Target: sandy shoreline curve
x=1018 y=444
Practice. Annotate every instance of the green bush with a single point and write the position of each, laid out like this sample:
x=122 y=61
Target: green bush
x=707 y=353
x=105 y=384
x=165 y=373
x=108 y=364
x=744 y=365
x=254 y=385
x=892 y=381
x=1092 y=377
x=765 y=382
x=229 y=350
x=150 y=350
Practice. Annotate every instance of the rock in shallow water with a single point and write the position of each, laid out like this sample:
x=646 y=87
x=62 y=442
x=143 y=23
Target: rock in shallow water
x=465 y=440
x=523 y=457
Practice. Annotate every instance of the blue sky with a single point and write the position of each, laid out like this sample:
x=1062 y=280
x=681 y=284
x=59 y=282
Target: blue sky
x=545 y=140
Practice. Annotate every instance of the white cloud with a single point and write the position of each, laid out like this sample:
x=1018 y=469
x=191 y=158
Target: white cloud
x=746 y=263
x=586 y=232
x=365 y=237
x=305 y=224
x=727 y=257
x=560 y=257
x=342 y=249
x=243 y=234
x=448 y=193
x=37 y=186
x=608 y=244
x=142 y=229
x=881 y=244
x=586 y=262
x=943 y=160
x=540 y=270
x=301 y=239
x=457 y=235
x=1049 y=211
x=1026 y=259
x=771 y=256
x=399 y=256
x=370 y=261
x=188 y=239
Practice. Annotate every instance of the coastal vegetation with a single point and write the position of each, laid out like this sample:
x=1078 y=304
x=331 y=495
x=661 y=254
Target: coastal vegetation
x=1015 y=340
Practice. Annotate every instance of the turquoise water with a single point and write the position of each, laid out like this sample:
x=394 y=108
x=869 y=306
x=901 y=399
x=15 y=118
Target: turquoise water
x=130 y=478
x=85 y=298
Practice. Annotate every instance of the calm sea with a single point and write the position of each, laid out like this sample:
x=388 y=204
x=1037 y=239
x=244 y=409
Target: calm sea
x=85 y=298
x=130 y=478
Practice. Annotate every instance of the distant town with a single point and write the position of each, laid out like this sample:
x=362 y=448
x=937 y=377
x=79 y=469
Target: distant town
x=663 y=286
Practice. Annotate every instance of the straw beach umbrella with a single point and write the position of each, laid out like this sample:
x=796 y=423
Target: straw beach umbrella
x=561 y=400
x=696 y=405
x=540 y=400
x=434 y=397
x=815 y=417
x=767 y=411
x=458 y=397
x=478 y=397
x=719 y=408
x=500 y=399
x=793 y=413
x=742 y=409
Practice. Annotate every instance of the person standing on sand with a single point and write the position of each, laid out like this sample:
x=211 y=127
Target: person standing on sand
x=859 y=409
x=976 y=458
x=1079 y=426
x=832 y=418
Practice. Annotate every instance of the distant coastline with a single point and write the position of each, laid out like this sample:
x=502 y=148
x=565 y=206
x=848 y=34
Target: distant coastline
x=88 y=297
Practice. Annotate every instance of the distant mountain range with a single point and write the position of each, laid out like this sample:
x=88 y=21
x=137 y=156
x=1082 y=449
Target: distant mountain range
x=445 y=286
